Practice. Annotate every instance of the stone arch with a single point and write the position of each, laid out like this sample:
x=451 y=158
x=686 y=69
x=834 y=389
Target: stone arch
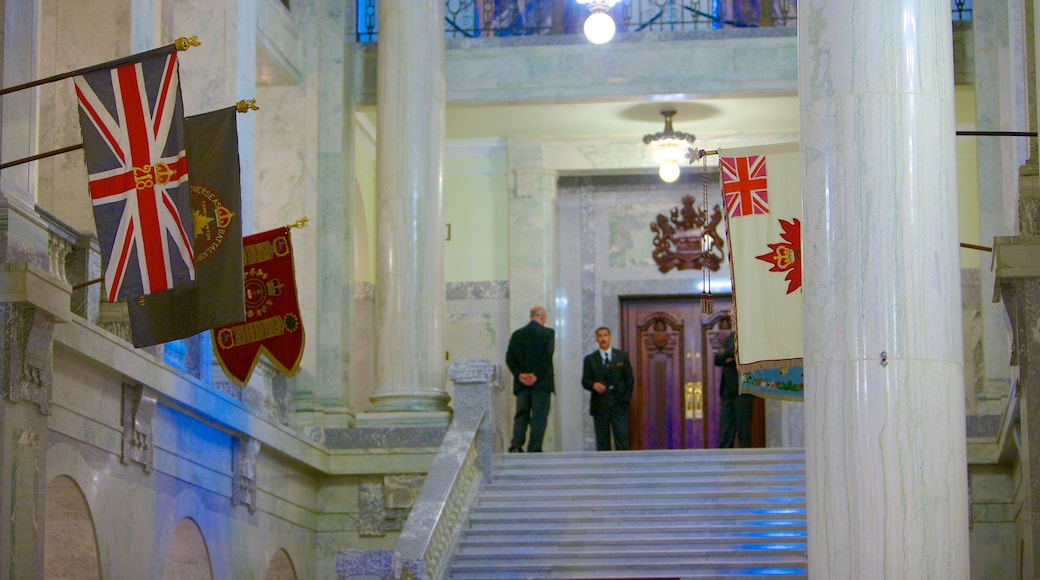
x=187 y=556
x=280 y=567
x=70 y=547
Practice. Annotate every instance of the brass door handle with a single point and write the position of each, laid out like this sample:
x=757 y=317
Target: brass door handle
x=694 y=400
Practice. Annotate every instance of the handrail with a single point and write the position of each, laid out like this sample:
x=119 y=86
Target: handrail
x=460 y=469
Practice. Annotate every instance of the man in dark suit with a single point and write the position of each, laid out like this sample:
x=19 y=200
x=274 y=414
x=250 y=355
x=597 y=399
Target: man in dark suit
x=735 y=410
x=607 y=374
x=529 y=358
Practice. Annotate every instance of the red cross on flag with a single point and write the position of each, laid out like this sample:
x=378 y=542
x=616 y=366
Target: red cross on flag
x=744 y=188
x=132 y=120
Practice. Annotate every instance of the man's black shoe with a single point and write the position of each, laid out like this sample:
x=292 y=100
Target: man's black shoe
x=515 y=450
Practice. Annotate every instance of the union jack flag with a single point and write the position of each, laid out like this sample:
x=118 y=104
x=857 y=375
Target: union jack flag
x=744 y=185
x=132 y=120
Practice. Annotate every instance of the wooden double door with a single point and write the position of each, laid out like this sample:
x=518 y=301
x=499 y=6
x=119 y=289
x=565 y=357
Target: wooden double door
x=675 y=403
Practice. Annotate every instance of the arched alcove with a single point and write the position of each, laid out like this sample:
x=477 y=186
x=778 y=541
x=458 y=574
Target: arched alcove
x=70 y=547
x=280 y=567
x=187 y=558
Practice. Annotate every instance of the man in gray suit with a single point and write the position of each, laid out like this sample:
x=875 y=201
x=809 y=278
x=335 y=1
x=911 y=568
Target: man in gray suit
x=529 y=358
x=607 y=374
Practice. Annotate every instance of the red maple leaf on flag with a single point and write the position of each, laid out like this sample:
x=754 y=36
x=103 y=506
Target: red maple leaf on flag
x=787 y=255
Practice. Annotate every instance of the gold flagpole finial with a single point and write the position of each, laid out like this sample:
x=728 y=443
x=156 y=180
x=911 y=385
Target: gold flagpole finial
x=184 y=44
x=246 y=105
x=300 y=223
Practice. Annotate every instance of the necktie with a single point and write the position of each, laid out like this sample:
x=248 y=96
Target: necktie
x=606 y=359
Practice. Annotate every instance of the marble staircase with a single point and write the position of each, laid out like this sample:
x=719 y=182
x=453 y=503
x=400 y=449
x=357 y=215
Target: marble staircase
x=638 y=514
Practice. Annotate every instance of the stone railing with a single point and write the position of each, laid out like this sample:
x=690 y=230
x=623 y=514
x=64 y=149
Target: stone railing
x=460 y=468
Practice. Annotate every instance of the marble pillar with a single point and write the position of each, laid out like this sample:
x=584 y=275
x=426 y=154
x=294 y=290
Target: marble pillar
x=533 y=243
x=1017 y=266
x=409 y=320
x=998 y=90
x=886 y=461
x=335 y=205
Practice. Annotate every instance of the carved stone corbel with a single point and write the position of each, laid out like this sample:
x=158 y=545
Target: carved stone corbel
x=25 y=354
x=244 y=451
x=138 y=413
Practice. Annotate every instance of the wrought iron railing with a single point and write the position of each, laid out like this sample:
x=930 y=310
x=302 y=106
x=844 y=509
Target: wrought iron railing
x=497 y=18
x=962 y=9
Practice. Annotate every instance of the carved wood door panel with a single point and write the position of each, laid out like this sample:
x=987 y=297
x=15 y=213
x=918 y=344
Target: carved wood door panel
x=675 y=402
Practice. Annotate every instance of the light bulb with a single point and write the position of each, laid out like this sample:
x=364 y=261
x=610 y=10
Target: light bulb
x=668 y=171
x=599 y=28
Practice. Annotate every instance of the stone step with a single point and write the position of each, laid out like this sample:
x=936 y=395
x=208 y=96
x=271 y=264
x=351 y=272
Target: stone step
x=622 y=459
x=656 y=455
x=645 y=514
x=637 y=476
x=599 y=544
x=641 y=526
x=621 y=491
x=649 y=566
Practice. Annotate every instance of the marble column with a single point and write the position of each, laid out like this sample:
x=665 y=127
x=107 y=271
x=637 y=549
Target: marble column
x=335 y=221
x=999 y=106
x=533 y=243
x=1017 y=264
x=410 y=99
x=886 y=463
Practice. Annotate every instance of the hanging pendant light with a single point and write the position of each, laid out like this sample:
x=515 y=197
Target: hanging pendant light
x=669 y=148
x=599 y=26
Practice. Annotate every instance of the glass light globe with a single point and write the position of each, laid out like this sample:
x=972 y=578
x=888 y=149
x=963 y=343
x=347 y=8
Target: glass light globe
x=668 y=171
x=599 y=28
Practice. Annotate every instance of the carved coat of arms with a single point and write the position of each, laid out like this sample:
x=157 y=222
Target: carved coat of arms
x=688 y=240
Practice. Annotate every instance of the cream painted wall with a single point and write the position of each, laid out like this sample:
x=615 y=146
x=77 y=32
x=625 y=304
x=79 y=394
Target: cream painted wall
x=476 y=204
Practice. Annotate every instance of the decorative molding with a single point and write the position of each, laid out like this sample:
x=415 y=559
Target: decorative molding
x=487 y=290
x=244 y=452
x=679 y=242
x=139 y=404
x=25 y=355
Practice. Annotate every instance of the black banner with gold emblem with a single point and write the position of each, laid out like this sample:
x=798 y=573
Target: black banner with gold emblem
x=215 y=298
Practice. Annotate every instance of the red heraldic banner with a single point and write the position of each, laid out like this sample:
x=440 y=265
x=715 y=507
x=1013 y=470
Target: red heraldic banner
x=273 y=325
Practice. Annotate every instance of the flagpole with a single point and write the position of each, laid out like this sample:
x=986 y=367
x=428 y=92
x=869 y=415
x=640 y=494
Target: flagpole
x=695 y=154
x=40 y=156
x=181 y=44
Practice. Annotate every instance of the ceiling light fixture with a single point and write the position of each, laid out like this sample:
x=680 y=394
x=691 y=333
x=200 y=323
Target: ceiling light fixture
x=669 y=148
x=599 y=26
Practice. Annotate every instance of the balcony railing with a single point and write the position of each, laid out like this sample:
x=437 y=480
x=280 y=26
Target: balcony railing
x=496 y=18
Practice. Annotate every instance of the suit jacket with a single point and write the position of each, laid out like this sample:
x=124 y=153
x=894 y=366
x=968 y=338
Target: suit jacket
x=618 y=375
x=729 y=386
x=531 y=351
